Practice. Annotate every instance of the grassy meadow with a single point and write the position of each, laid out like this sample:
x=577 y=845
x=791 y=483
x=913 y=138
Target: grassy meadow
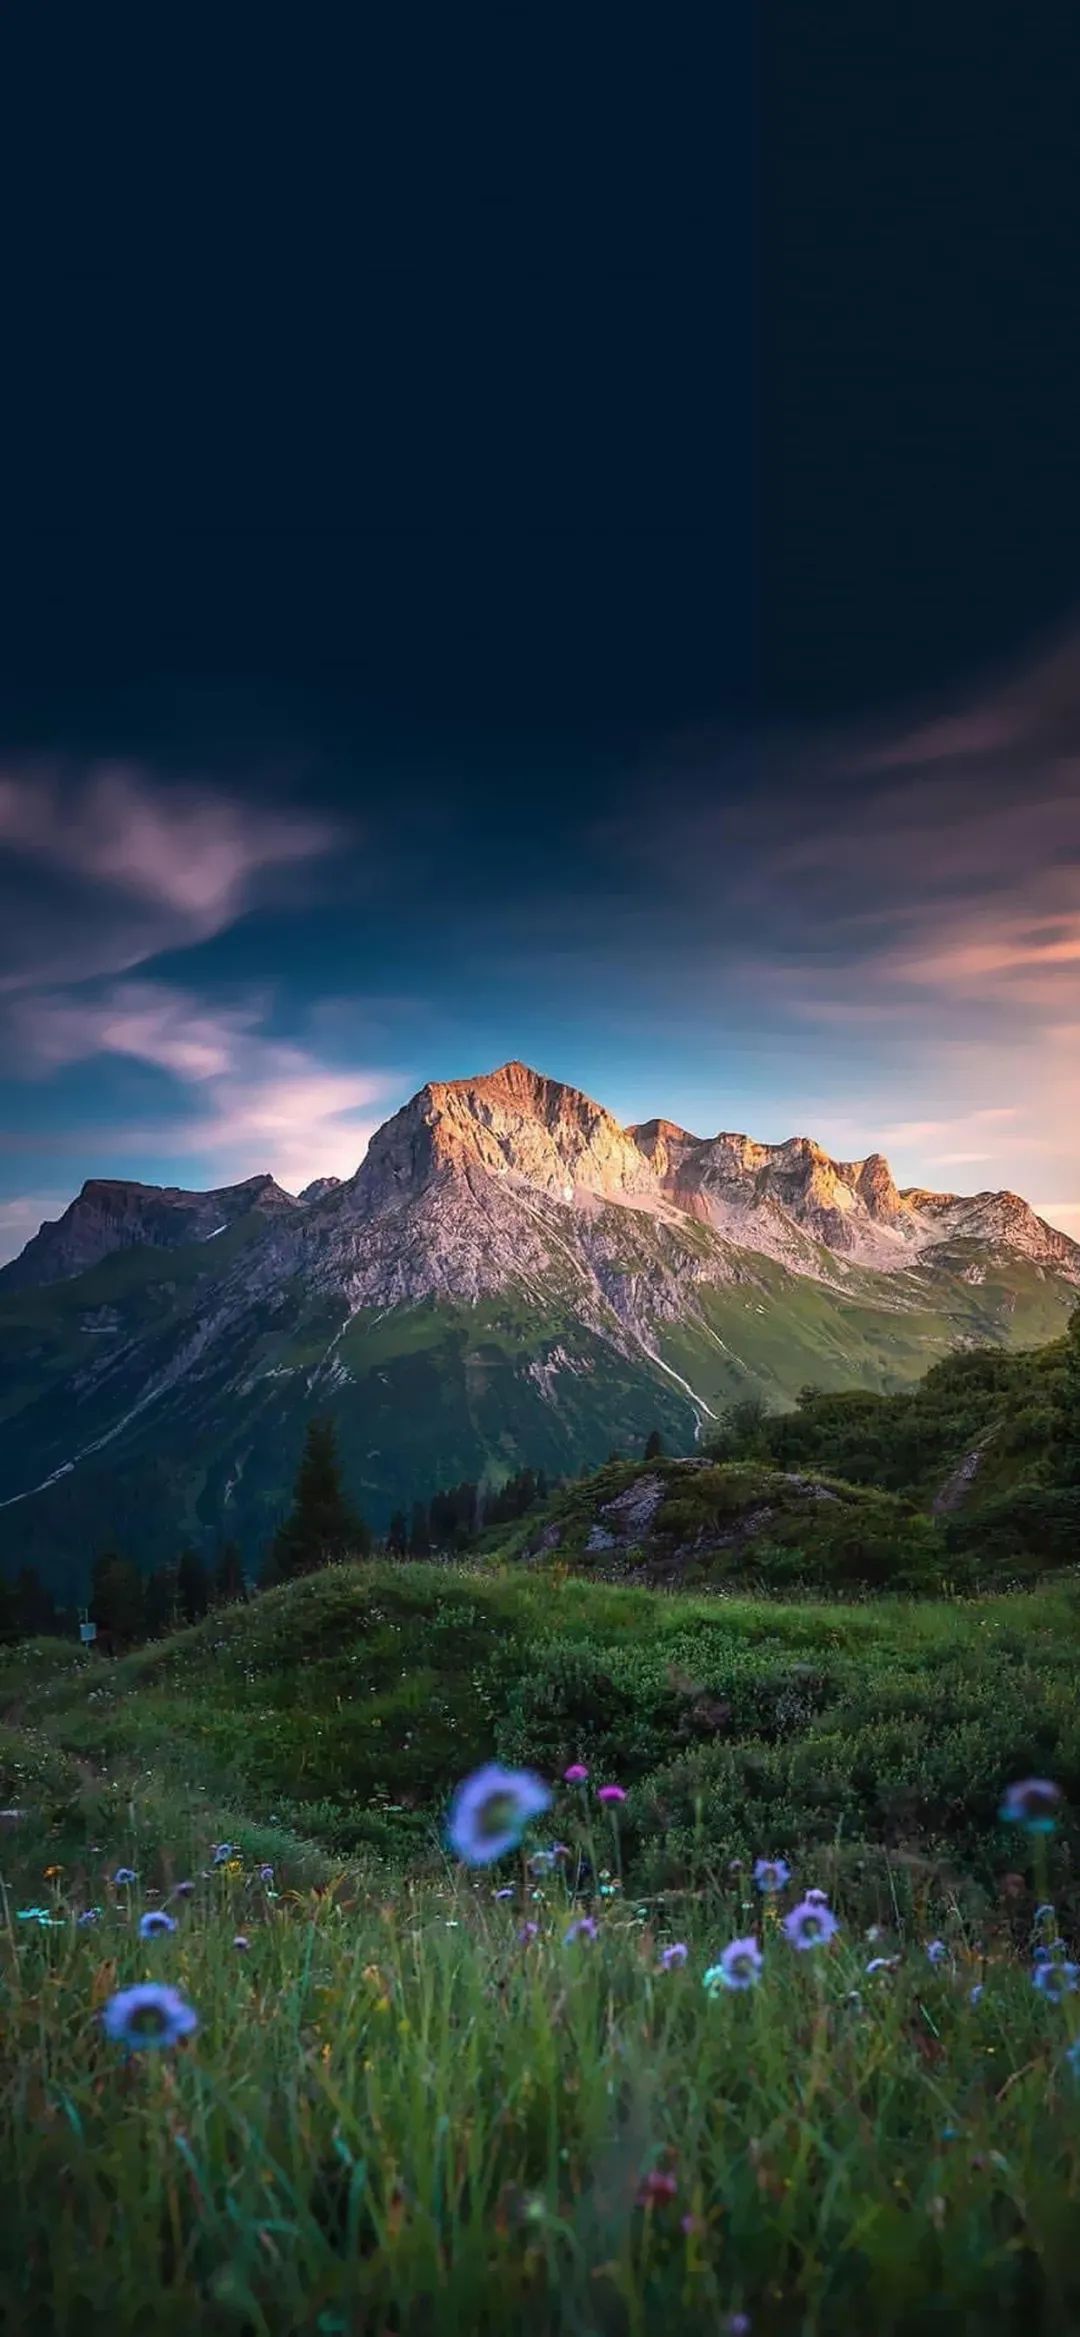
x=410 y=2101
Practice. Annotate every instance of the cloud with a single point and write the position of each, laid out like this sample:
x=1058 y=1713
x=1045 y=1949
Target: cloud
x=247 y=1101
x=126 y=866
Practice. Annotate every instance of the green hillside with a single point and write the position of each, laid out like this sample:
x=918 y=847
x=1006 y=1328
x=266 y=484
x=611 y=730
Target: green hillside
x=344 y=1707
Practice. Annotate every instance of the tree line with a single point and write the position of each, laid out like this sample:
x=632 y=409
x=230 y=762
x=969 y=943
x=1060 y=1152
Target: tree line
x=321 y=1526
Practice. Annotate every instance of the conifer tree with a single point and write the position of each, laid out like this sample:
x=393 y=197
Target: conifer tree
x=397 y=1535
x=655 y=1447
x=419 y=1531
x=116 y=1599
x=230 y=1583
x=192 y=1586
x=321 y=1525
x=161 y=1605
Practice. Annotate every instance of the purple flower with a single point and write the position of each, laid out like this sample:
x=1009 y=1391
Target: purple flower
x=125 y=1874
x=936 y=1952
x=1056 y=1980
x=490 y=1811
x=507 y=1892
x=541 y=1862
x=266 y=1874
x=148 y=2015
x=528 y=1932
x=1045 y=1909
x=770 y=1874
x=223 y=1851
x=739 y=1967
x=89 y=1915
x=882 y=1963
x=809 y=1926
x=675 y=1954
x=241 y=1944
x=577 y=1774
x=609 y=1794
x=154 y=1924
x=816 y=1898
x=738 y=2325
x=182 y=1891
x=586 y=1927
x=1033 y=1802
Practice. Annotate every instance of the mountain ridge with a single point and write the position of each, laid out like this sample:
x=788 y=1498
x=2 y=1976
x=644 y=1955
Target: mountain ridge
x=509 y=1278
x=518 y=1123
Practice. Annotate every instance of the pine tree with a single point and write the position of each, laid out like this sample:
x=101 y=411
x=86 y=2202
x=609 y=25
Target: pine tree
x=35 y=1607
x=397 y=1535
x=161 y=1603
x=655 y=1447
x=419 y=1531
x=192 y=1586
x=230 y=1583
x=321 y=1525
x=116 y=1599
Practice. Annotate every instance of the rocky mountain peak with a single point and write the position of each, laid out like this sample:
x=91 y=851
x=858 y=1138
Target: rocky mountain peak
x=513 y=1122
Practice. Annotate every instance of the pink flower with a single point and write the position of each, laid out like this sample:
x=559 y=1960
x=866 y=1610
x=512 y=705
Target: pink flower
x=577 y=1773
x=610 y=1793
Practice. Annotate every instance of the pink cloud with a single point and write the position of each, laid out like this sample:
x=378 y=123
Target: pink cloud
x=134 y=867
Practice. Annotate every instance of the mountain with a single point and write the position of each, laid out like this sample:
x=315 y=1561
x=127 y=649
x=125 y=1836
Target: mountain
x=509 y=1276
x=109 y=1215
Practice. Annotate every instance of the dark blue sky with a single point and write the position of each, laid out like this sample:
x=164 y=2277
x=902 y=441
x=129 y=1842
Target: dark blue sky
x=508 y=594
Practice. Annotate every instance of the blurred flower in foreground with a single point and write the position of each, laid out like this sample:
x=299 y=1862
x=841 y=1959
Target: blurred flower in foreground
x=1056 y=1980
x=770 y=1874
x=675 y=1954
x=809 y=1926
x=739 y=1967
x=586 y=1927
x=490 y=1811
x=148 y=2015
x=1033 y=1802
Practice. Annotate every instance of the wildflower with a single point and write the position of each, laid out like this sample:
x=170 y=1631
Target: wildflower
x=1055 y=1980
x=739 y=1967
x=738 y=2325
x=883 y=1963
x=586 y=1927
x=770 y=1874
x=1033 y=1803
x=936 y=1952
x=541 y=1862
x=507 y=1891
x=735 y=1865
x=11 y=1817
x=182 y=1890
x=975 y=1994
x=266 y=1874
x=124 y=1874
x=610 y=1794
x=810 y=1927
x=490 y=1810
x=577 y=1774
x=527 y=1933
x=89 y=1915
x=153 y=1925
x=1041 y=1955
x=656 y=2188
x=675 y=1954
x=51 y=1872
x=148 y=2015
x=241 y=1944
x=1045 y=1909
x=223 y=1851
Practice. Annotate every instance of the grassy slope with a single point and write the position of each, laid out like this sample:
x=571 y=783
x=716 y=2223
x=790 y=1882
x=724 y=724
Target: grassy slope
x=346 y=1706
